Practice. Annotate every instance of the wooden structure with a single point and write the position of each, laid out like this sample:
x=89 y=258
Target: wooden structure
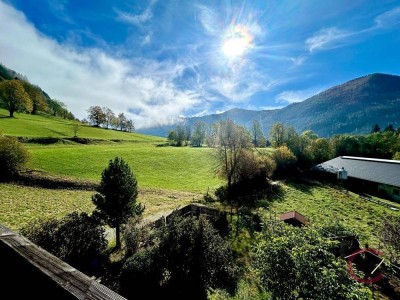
x=293 y=218
x=30 y=271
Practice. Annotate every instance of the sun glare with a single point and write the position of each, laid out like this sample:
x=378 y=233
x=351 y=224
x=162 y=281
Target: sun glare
x=236 y=42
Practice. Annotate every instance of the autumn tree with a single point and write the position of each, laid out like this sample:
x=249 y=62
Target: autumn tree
x=37 y=97
x=257 y=136
x=277 y=134
x=116 y=196
x=13 y=97
x=231 y=141
x=96 y=115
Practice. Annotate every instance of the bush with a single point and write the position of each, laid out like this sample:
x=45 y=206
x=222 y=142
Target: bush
x=77 y=239
x=13 y=157
x=186 y=258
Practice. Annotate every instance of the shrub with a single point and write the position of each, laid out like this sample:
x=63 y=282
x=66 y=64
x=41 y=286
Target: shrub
x=13 y=157
x=78 y=239
x=186 y=258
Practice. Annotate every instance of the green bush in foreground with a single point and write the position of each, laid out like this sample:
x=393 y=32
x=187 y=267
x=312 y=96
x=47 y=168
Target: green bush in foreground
x=13 y=157
x=182 y=260
x=77 y=239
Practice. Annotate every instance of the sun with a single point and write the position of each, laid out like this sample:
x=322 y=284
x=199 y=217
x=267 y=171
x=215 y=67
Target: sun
x=236 y=42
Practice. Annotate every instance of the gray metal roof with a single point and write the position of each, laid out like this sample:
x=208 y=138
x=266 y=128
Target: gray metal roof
x=372 y=169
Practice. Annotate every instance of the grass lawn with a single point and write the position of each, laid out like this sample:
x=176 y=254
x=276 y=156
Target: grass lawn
x=323 y=204
x=20 y=205
x=25 y=125
x=182 y=169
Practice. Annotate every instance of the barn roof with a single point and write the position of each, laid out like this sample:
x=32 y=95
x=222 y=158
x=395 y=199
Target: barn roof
x=372 y=169
x=29 y=269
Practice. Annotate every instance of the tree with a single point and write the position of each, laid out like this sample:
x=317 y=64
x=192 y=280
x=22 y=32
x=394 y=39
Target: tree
x=116 y=196
x=231 y=140
x=284 y=158
x=96 y=115
x=109 y=116
x=122 y=121
x=78 y=239
x=56 y=107
x=277 y=134
x=14 y=97
x=13 y=157
x=129 y=126
x=37 y=97
x=257 y=136
x=199 y=134
x=76 y=127
x=375 y=128
x=389 y=128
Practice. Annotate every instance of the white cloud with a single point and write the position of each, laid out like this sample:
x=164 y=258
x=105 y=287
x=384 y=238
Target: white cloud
x=136 y=19
x=82 y=78
x=297 y=95
x=388 y=18
x=326 y=38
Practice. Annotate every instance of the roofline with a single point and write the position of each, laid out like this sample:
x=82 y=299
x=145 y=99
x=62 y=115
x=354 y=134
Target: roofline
x=390 y=161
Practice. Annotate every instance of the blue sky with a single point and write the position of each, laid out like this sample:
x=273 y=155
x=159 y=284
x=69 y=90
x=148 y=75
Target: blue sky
x=158 y=60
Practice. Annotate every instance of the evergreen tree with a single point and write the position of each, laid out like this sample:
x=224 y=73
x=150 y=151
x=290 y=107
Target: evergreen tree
x=116 y=198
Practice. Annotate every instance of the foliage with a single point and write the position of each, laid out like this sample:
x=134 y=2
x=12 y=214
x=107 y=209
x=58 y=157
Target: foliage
x=116 y=196
x=390 y=235
x=296 y=262
x=284 y=159
x=13 y=157
x=13 y=97
x=257 y=136
x=37 y=97
x=76 y=127
x=78 y=239
x=187 y=258
x=277 y=134
x=109 y=117
x=396 y=156
x=230 y=140
x=96 y=115
x=199 y=134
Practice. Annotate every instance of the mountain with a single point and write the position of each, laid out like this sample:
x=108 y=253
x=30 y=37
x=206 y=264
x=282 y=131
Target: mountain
x=351 y=107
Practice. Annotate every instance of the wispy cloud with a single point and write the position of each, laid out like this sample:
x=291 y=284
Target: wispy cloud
x=296 y=95
x=326 y=38
x=209 y=20
x=136 y=19
x=388 y=18
x=145 y=90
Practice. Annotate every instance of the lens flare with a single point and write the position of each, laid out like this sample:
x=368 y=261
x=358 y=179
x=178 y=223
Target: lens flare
x=236 y=42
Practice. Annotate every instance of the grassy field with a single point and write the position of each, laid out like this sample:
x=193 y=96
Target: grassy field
x=25 y=125
x=20 y=205
x=324 y=204
x=182 y=169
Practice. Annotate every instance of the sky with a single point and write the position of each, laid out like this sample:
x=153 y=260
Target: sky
x=159 y=60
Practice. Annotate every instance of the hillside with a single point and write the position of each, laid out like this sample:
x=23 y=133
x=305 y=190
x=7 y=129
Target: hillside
x=352 y=107
x=34 y=126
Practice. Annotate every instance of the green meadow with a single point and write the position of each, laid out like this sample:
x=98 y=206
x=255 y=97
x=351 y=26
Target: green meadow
x=24 y=125
x=184 y=168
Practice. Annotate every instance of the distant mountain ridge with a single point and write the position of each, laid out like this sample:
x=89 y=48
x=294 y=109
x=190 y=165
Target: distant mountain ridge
x=351 y=107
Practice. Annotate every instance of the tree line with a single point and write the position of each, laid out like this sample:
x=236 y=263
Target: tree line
x=106 y=118
x=18 y=95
